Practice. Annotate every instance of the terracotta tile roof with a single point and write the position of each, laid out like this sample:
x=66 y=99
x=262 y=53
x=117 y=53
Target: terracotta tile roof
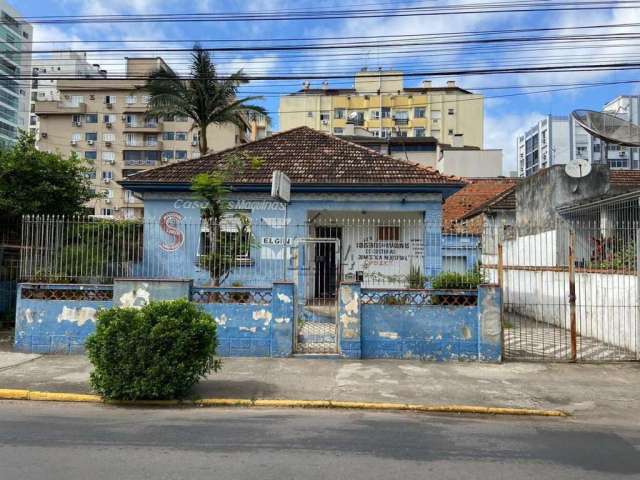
x=308 y=157
x=503 y=201
x=475 y=194
x=624 y=178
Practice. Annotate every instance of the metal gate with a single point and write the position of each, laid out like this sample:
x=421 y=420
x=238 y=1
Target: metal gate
x=566 y=298
x=318 y=276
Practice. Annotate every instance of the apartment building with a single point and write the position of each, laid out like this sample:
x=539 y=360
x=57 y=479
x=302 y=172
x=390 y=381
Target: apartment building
x=556 y=140
x=104 y=121
x=380 y=103
x=15 y=62
x=46 y=72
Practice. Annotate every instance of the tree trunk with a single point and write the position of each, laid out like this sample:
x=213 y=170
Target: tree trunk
x=204 y=147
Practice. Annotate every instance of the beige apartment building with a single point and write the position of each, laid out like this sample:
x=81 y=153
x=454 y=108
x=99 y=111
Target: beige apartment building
x=380 y=103
x=104 y=122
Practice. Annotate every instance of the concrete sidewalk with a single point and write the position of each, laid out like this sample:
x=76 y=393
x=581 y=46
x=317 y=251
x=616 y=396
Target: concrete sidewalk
x=597 y=393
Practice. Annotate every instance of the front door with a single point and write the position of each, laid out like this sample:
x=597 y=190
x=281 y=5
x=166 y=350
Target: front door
x=325 y=265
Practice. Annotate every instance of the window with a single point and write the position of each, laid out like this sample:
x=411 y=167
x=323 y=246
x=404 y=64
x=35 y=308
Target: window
x=76 y=120
x=91 y=136
x=131 y=99
x=109 y=137
x=450 y=131
x=419 y=112
x=105 y=212
x=169 y=118
x=107 y=175
x=235 y=229
x=451 y=111
x=386 y=112
x=310 y=114
x=338 y=131
x=181 y=136
x=596 y=147
x=109 y=118
x=90 y=155
x=181 y=154
x=325 y=116
x=75 y=100
x=110 y=99
x=150 y=140
x=168 y=136
x=401 y=117
x=91 y=118
x=418 y=132
x=581 y=152
x=109 y=157
x=388 y=234
x=76 y=137
x=91 y=174
x=167 y=155
x=374 y=114
x=435 y=115
x=339 y=113
x=146 y=99
x=180 y=118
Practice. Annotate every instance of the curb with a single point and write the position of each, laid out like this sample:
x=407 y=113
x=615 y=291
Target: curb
x=34 y=395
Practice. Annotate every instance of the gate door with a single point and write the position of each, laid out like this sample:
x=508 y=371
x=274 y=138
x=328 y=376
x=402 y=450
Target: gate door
x=318 y=275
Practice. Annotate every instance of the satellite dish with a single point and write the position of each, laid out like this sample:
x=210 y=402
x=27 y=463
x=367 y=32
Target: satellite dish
x=608 y=128
x=578 y=168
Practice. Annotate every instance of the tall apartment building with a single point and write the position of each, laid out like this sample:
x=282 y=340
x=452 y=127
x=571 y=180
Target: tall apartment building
x=104 y=121
x=45 y=72
x=380 y=103
x=557 y=140
x=15 y=61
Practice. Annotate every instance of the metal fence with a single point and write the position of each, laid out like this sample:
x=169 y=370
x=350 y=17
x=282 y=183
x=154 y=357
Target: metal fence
x=378 y=252
x=9 y=257
x=570 y=289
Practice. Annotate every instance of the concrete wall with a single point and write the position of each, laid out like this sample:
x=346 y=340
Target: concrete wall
x=251 y=322
x=381 y=329
x=471 y=163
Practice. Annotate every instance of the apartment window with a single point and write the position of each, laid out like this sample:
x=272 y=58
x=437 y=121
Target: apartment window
x=151 y=140
x=339 y=113
x=129 y=197
x=91 y=118
x=108 y=137
x=180 y=118
x=596 y=147
x=109 y=118
x=110 y=99
x=107 y=175
x=325 y=116
x=168 y=136
x=91 y=137
x=106 y=212
x=91 y=174
x=167 y=155
x=581 y=152
x=181 y=136
x=181 y=154
x=450 y=131
x=435 y=115
x=419 y=112
x=388 y=234
x=169 y=118
x=108 y=156
x=76 y=120
x=401 y=117
x=76 y=137
x=374 y=114
x=131 y=99
x=418 y=132
x=338 y=131
x=451 y=111
x=146 y=99
x=386 y=112
x=402 y=133
x=310 y=114
x=75 y=100
x=90 y=155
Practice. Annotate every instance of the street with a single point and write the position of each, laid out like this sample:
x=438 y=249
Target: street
x=67 y=441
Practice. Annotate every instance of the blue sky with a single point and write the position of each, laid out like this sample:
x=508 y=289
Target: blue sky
x=505 y=116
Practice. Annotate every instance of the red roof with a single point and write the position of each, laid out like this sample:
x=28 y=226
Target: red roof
x=624 y=178
x=475 y=194
x=307 y=157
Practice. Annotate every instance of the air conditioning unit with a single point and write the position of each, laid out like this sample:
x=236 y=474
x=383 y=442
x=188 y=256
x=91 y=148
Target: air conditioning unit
x=325 y=122
x=92 y=97
x=107 y=143
x=107 y=201
x=116 y=208
x=106 y=180
x=74 y=143
x=109 y=106
x=109 y=125
x=77 y=124
x=90 y=142
x=44 y=134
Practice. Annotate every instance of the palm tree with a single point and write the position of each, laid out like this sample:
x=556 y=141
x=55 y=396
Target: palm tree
x=205 y=98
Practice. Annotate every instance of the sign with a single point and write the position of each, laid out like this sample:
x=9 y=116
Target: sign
x=280 y=186
x=169 y=223
x=276 y=241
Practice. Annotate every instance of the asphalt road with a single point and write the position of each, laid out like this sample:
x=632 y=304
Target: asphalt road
x=63 y=441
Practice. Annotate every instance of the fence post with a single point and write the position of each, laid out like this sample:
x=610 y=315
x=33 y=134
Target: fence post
x=572 y=295
x=501 y=288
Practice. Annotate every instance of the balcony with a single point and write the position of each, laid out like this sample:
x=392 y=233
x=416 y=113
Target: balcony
x=142 y=162
x=401 y=121
x=135 y=108
x=60 y=108
x=142 y=127
x=144 y=145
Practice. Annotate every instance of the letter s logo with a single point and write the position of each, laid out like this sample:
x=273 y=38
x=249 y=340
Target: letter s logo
x=169 y=224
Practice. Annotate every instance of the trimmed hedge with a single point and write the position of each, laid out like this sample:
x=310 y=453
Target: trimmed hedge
x=157 y=352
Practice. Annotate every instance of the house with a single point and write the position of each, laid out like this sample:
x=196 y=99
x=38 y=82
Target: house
x=368 y=216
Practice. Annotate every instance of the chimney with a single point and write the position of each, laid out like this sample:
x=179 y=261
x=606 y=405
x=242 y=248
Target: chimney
x=426 y=83
x=458 y=140
x=451 y=83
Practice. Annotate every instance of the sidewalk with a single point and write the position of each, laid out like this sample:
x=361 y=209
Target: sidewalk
x=597 y=393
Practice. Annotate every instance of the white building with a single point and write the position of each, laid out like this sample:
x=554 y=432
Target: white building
x=15 y=62
x=44 y=88
x=556 y=140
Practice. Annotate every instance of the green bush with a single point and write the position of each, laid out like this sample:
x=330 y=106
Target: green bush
x=157 y=352
x=450 y=280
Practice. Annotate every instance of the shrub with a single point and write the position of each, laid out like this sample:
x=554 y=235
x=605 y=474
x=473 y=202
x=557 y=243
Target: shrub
x=454 y=280
x=157 y=352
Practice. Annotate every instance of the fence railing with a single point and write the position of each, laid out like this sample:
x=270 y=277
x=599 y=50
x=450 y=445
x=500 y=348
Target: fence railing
x=380 y=252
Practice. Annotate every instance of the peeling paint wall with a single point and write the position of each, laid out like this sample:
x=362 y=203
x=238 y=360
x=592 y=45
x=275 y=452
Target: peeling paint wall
x=349 y=326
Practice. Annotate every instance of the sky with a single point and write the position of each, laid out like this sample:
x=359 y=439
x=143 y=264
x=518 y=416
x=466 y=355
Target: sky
x=508 y=111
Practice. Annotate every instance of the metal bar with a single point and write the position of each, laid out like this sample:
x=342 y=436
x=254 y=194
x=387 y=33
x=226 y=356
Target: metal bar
x=572 y=295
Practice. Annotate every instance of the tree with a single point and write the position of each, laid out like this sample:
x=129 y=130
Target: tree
x=205 y=98
x=33 y=182
x=223 y=247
